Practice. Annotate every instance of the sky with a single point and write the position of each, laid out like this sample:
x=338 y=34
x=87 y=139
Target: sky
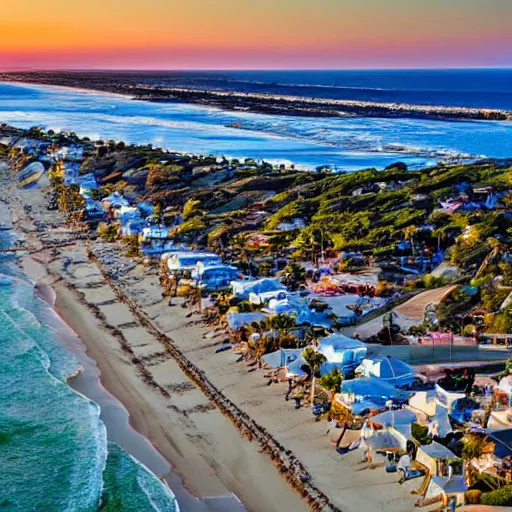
x=255 y=34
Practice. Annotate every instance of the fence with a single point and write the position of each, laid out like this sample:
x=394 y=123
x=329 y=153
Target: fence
x=437 y=348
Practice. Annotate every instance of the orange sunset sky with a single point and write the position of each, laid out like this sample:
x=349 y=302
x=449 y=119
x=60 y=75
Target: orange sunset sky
x=229 y=34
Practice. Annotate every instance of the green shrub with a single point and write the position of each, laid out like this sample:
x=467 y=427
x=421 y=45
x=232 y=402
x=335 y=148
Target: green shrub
x=500 y=497
x=430 y=282
x=420 y=433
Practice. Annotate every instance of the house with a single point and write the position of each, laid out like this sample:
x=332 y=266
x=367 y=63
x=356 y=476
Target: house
x=390 y=369
x=451 y=488
x=214 y=277
x=237 y=320
x=340 y=352
x=281 y=358
x=433 y=455
x=363 y=395
x=259 y=291
x=187 y=260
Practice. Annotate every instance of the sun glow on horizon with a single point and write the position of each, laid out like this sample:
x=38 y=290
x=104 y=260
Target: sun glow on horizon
x=237 y=34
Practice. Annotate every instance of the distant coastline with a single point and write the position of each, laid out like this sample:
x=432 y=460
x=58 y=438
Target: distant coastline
x=262 y=103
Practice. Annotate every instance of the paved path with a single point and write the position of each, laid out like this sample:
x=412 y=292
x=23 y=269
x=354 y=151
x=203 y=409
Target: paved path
x=407 y=314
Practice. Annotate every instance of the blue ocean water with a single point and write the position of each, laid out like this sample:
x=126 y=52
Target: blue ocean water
x=54 y=454
x=345 y=144
x=482 y=88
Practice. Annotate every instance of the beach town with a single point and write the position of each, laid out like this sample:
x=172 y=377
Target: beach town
x=354 y=329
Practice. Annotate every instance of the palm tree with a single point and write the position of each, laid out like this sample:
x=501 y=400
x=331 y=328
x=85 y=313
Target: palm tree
x=314 y=360
x=295 y=275
x=261 y=348
x=409 y=233
x=473 y=448
x=283 y=324
x=440 y=233
x=332 y=381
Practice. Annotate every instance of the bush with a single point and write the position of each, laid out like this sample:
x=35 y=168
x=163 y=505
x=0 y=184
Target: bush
x=500 y=497
x=107 y=231
x=472 y=497
x=420 y=433
x=432 y=282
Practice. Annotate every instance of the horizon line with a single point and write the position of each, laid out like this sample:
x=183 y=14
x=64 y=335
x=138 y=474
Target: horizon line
x=184 y=70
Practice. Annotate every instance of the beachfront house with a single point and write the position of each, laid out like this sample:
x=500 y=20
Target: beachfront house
x=391 y=369
x=340 y=352
x=237 y=320
x=187 y=260
x=281 y=358
x=214 y=276
x=363 y=395
x=259 y=291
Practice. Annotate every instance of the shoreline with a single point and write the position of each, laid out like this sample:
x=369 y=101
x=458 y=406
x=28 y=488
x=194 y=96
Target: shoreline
x=78 y=331
x=92 y=383
x=261 y=103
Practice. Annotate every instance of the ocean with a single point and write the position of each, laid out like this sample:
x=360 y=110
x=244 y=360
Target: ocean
x=344 y=144
x=479 y=88
x=55 y=455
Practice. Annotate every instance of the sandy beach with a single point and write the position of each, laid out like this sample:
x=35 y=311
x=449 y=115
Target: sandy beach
x=192 y=446
x=210 y=458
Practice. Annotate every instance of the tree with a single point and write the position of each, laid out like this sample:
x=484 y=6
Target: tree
x=502 y=323
x=283 y=324
x=332 y=381
x=294 y=275
x=409 y=233
x=473 y=448
x=314 y=360
x=440 y=234
x=191 y=209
